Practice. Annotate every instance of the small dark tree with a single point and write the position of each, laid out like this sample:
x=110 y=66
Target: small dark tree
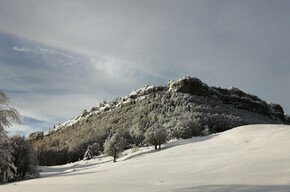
x=114 y=145
x=156 y=135
x=95 y=148
x=88 y=154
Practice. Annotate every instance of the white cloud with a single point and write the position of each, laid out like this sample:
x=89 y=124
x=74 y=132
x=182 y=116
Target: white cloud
x=112 y=67
x=20 y=49
x=102 y=65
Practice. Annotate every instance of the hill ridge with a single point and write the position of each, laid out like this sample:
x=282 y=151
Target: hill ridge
x=189 y=85
x=185 y=108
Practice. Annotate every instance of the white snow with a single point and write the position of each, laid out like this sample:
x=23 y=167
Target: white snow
x=248 y=158
x=71 y=122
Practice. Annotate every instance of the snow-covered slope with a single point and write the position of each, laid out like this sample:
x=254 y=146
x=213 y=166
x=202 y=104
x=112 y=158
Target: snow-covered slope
x=248 y=158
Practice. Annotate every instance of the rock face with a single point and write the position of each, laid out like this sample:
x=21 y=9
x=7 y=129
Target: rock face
x=36 y=136
x=278 y=112
x=190 y=85
x=287 y=118
x=232 y=96
x=185 y=108
x=241 y=100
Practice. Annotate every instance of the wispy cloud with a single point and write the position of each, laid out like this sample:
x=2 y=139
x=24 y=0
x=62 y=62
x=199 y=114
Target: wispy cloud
x=20 y=49
x=52 y=85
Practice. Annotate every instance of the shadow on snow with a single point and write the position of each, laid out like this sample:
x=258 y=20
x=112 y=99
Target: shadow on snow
x=173 y=144
x=236 y=188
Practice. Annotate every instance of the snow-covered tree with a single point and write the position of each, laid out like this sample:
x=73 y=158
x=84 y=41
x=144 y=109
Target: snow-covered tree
x=24 y=158
x=95 y=148
x=88 y=154
x=137 y=135
x=6 y=160
x=114 y=145
x=7 y=116
x=187 y=129
x=156 y=135
x=7 y=113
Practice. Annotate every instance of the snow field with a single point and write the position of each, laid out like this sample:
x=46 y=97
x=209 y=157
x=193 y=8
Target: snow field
x=248 y=158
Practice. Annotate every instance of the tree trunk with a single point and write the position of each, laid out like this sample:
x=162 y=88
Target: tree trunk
x=115 y=156
x=155 y=147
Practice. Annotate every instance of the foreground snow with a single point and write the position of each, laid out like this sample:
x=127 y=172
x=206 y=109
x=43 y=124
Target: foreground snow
x=248 y=158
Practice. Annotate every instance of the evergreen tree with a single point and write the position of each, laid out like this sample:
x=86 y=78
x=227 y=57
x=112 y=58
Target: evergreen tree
x=88 y=154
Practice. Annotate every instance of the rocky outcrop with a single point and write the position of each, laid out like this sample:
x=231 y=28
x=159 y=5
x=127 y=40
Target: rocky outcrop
x=36 y=136
x=232 y=96
x=287 y=118
x=190 y=85
x=278 y=112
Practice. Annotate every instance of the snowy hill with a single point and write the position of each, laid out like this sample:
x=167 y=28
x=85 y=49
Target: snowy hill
x=247 y=158
x=185 y=108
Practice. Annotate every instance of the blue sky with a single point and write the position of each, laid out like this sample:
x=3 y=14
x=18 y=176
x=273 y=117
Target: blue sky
x=60 y=57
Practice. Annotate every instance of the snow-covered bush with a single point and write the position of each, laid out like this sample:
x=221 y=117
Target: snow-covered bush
x=187 y=129
x=137 y=136
x=92 y=150
x=206 y=131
